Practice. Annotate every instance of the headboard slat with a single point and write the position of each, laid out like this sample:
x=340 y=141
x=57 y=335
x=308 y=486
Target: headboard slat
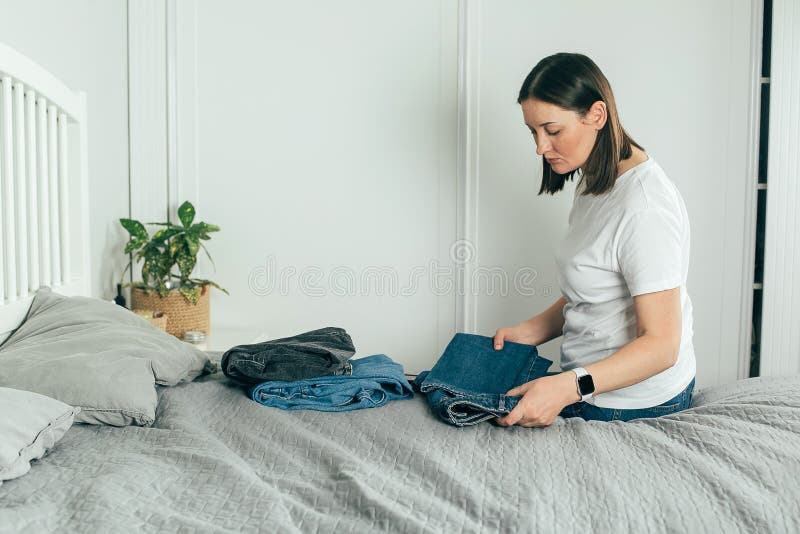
x=33 y=190
x=20 y=180
x=7 y=180
x=52 y=162
x=63 y=204
x=44 y=192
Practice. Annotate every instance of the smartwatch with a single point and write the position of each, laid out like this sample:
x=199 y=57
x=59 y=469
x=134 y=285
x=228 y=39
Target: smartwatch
x=585 y=383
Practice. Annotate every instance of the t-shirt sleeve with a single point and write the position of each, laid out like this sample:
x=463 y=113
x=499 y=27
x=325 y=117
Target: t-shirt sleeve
x=650 y=250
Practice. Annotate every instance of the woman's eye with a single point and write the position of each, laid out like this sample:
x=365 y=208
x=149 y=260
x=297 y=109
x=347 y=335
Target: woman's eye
x=553 y=133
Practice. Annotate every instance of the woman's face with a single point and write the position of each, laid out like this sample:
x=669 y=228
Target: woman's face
x=562 y=137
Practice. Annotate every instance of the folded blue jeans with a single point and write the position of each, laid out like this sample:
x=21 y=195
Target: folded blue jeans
x=468 y=383
x=373 y=382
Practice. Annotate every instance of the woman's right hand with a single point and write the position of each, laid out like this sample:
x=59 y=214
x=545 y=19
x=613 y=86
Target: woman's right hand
x=521 y=333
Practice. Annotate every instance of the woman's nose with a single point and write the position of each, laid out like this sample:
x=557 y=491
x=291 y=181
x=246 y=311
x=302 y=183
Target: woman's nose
x=542 y=147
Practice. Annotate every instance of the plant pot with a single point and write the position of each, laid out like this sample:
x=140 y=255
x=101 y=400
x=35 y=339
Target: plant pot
x=155 y=318
x=181 y=314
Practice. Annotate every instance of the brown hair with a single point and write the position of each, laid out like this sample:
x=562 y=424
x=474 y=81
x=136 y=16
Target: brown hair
x=575 y=82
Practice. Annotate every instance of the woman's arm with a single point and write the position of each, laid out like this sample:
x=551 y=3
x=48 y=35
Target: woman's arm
x=549 y=324
x=538 y=329
x=655 y=349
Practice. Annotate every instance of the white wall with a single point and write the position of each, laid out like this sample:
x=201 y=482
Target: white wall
x=326 y=141
x=325 y=137
x=84 y=43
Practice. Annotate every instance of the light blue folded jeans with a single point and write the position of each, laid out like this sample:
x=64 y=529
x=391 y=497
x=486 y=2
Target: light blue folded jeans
x=374 y=381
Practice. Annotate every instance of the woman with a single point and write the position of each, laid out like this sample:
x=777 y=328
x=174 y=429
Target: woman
x=625 y=315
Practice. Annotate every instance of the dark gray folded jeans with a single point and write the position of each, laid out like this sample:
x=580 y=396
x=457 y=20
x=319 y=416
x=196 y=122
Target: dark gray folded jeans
x=322 y=352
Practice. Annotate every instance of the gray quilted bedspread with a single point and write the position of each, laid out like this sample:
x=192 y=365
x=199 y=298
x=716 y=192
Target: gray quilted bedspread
x=214 y=461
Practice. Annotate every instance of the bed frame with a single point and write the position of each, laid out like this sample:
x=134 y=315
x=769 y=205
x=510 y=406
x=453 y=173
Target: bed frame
x=44 y=208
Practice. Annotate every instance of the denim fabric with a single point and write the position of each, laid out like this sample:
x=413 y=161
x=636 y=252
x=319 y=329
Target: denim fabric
x=322 y=352
x=374 y=381
x=467 y=385
x=589 y=412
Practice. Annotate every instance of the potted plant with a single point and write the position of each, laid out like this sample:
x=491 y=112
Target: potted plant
x=183 y=299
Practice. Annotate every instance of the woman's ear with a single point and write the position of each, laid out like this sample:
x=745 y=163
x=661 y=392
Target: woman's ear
x=597 y=115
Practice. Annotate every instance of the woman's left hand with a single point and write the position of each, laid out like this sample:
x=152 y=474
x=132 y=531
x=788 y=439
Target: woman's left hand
x=542 y=400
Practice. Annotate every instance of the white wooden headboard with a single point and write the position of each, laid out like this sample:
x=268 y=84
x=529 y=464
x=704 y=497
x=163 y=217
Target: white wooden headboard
x=44 y=209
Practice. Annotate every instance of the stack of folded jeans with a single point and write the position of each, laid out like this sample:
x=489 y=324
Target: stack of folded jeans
x=374 y=381
x=323 y=352
x=467 y=385
x=313 y=371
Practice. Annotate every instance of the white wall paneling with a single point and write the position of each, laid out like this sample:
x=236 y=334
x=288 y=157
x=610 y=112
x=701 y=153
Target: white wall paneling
x=147 y=105
x=466 y=249
x=749 y=208
x=780 y=336
x=183 y=117
x=449 y=45
x=330 y=151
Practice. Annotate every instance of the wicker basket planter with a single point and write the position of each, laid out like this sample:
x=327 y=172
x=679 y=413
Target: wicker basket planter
x=181 y=314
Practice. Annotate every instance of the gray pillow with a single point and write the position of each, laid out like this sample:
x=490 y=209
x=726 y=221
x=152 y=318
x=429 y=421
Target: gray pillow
x=97 y=356
x=30 y=425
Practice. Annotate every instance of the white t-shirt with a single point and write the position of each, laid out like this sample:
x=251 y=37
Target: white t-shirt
x=633 y=239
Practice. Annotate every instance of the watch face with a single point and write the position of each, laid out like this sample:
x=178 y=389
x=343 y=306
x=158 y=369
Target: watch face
x=586 y=384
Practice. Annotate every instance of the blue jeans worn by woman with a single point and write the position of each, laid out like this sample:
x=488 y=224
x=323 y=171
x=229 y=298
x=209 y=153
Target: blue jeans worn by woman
x=589 y=412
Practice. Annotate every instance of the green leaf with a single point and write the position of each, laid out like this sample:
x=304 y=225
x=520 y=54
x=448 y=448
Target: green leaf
x=186 y=213
x=209 y=283
x=146 y=271
x=186 y=263
x=193 y=245
x=192 y=293
x=156 y=266
x=161 y=236
x=134 y=244
x=202 y=229
x=175 y=245
x=134 y=228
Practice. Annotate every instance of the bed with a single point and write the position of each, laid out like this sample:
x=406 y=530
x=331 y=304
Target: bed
x=212 y=460
x=215 y=461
